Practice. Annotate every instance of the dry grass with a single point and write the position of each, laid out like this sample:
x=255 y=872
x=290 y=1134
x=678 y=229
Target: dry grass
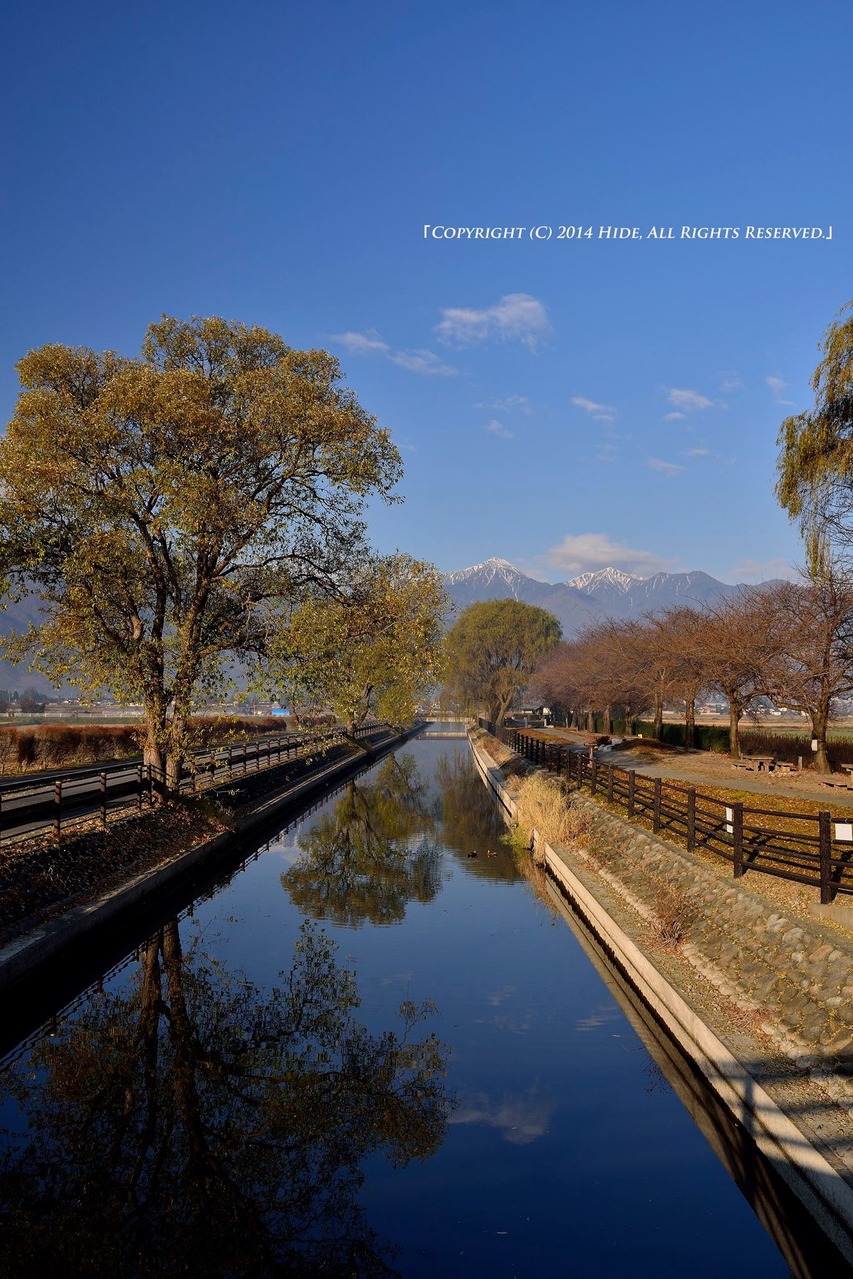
x=674 y=914
x=544 y=805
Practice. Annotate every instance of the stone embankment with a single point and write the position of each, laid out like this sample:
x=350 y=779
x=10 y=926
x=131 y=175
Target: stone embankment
x=760 y=998
x=798 y=976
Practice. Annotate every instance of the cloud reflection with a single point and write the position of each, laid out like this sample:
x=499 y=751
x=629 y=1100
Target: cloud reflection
x=521 y=1118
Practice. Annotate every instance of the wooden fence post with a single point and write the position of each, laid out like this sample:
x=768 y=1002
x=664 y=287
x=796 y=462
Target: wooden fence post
x=103 y=790
x=57 y=808
x=656 y=805
x=609 y=768
x=632 y=787
x=691 y=818
x=825 y=828
x=737 y=839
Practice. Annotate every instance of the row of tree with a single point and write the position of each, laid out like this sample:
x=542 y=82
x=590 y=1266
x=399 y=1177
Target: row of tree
x=791 y=642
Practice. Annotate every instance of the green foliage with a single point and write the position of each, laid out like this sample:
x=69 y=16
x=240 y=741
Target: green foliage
x=707 y=737
x=815 y=466
x=372 y=649
x=788 y=745
x=167 y=510
x=492 y=650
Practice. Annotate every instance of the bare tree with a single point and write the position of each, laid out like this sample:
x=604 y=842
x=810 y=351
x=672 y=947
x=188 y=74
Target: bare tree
x=812 y=622
x=739 y=638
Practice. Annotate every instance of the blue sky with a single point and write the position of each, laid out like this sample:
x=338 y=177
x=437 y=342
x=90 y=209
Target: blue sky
x=563 y=403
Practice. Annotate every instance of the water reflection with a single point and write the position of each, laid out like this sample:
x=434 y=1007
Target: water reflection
x=373 y=853
x=471 y=822
x=194 y=1124
x=520 y=1118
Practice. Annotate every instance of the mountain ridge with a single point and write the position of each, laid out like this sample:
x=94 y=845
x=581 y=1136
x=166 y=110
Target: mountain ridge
x=588 y=598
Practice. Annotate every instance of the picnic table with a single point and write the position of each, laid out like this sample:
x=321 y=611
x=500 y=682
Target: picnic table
x=755 y=763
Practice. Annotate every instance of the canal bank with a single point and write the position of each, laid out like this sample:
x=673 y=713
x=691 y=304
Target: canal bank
x=760 y=1004
x=563 y=1148
x=226 y=815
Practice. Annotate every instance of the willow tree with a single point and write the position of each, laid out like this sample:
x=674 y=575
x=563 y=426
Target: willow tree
x=166 y=510
x=492 y=650
x=815 y=465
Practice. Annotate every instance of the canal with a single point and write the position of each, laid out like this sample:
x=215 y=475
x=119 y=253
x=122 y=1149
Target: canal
x=378 y=1047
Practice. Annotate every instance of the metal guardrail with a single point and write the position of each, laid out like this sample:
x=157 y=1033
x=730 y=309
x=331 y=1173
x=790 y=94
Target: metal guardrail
x=29 y=809
x=816 y=849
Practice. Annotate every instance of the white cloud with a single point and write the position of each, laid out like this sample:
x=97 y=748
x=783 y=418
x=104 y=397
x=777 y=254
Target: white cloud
x=763 y=570
x=498 y=428
x=370 y=343
x=687 y=401
x=517 y=317
x=421 y=361
x=698 y=453
x=520 y=1117
x=674 y=417
x=601 y=412
x=509 y=404
x=778 y=386
x=585 y=552
x=669 y=469
x=731 y=382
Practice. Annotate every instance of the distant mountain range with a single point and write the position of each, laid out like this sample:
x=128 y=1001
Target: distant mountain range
x=587 y=599
x=579 y=602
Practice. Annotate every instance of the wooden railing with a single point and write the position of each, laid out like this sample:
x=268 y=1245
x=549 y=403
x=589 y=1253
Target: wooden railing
x=808 y=848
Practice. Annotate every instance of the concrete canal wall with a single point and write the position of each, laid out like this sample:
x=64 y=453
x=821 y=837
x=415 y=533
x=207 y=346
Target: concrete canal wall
x=797 y=978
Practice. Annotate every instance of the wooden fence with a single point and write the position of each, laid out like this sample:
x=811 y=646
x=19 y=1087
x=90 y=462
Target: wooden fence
x=29 y=808
x=808 y=848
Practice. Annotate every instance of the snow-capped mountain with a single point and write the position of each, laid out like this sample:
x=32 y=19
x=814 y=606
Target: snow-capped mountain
x=591 y=582
x=588 y=598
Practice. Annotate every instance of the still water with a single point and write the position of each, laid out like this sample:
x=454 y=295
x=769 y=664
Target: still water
x=370 y=1053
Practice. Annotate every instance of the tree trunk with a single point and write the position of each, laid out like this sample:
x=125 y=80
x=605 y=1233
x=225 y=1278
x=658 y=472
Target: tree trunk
x=690 y=723
x=658 y=723
x=629 y=727
x=735 y=710
x=154 y=760
x=176 y=751
x=820 y=724
x=607 y=724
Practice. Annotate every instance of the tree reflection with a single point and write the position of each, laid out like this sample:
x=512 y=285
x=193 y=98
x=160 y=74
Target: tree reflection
x=200 y=1127
x=471 y=820
x=364 y=860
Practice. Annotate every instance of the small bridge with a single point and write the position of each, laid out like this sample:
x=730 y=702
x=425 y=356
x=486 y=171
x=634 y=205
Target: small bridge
x=445 y=728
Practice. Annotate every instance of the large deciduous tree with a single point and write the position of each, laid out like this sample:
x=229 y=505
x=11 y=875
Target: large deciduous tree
x=166 y=509
x=492 y=650
x=739 y=638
